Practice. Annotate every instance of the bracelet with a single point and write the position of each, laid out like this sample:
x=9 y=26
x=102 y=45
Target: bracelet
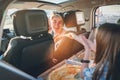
x=85 y=61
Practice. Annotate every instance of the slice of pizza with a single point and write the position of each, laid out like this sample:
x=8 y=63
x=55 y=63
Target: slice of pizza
x=64 y=73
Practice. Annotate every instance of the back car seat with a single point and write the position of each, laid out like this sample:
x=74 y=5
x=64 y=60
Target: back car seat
x=30 y=53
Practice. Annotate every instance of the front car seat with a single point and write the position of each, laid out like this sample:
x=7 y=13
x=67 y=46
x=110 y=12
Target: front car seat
x=31 y=52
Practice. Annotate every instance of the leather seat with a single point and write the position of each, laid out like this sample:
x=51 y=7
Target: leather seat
x=30 y=50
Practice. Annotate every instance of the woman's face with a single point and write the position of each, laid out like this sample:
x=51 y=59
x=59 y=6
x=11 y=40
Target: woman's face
x=56 y=23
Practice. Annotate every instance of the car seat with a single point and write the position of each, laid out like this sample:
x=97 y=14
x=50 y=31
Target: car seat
x=32 y=47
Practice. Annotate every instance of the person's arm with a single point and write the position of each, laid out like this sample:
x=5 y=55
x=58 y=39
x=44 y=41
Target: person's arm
x=88 y=46
x=86 y=54
x=85 y=65
x=81 y=39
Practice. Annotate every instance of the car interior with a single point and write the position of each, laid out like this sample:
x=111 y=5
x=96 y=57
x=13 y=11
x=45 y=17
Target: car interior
x=27 y=47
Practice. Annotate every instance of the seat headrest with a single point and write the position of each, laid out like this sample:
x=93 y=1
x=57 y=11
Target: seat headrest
x=74 y=18
x=30 y=22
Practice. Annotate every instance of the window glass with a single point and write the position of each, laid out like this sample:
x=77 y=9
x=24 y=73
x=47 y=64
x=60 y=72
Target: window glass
x=107 y=14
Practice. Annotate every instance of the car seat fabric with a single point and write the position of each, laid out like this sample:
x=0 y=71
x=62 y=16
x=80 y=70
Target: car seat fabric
x=34 y=48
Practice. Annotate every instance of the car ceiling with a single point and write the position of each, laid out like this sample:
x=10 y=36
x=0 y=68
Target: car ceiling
x=42 y=4
x=60 y=5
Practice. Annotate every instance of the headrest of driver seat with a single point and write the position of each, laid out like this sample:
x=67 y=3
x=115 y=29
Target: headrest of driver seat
x=30 y=22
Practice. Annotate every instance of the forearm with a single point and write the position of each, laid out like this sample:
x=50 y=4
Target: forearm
x=85 y=65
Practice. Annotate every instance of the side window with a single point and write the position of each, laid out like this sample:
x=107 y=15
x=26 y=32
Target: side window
x=8 y=31
x=107 y=14
x=8 y=20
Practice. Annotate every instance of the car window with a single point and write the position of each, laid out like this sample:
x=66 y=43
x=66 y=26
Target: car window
x=107 y=14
